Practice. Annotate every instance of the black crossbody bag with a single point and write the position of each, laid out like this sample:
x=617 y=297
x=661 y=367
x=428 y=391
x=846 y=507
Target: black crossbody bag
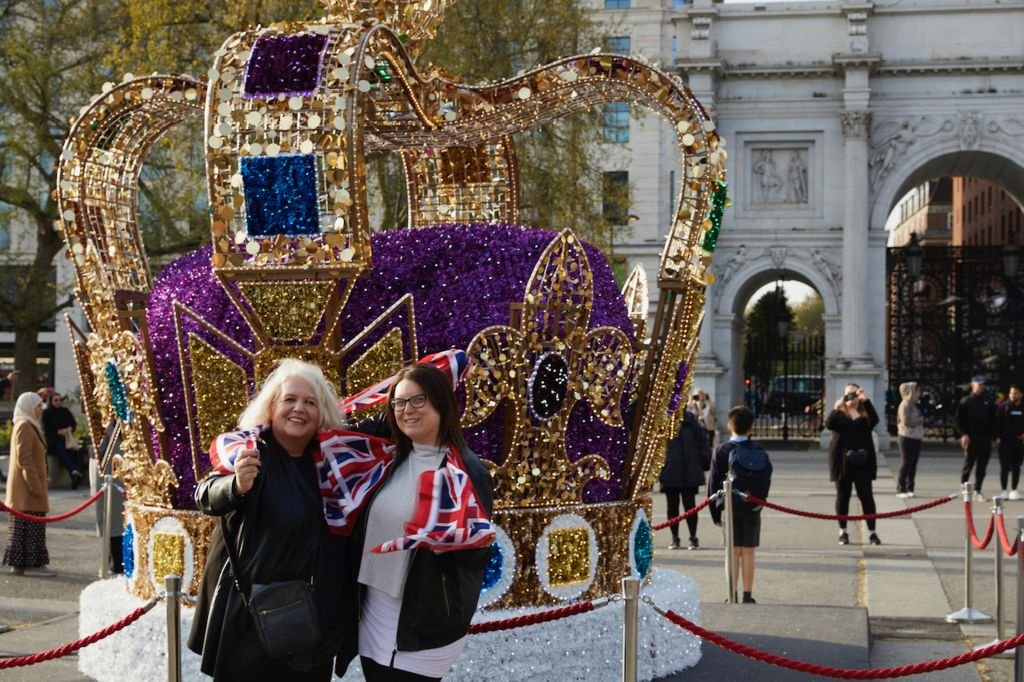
x=283 y=612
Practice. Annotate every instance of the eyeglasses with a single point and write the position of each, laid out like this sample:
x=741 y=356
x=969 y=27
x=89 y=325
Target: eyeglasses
x=417 y=401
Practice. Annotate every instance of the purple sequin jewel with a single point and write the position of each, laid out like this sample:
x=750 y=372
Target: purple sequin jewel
x=677 y=390
x=285 y=65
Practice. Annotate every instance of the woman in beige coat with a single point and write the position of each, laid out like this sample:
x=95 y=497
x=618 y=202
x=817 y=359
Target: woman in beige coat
x=26 y=490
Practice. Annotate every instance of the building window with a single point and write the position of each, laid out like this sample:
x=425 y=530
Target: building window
x=616 y=122
x=616 y=4
x=615 y=196
x=617 y=44
x=677 y=4
x=675 y=48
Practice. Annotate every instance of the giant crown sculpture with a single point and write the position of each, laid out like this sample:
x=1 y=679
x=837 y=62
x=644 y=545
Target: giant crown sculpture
x=566 y=400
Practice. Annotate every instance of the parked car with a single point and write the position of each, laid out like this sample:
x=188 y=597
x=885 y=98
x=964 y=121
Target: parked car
x=798 y=391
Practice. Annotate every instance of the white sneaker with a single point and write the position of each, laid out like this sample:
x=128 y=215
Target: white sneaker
x=978 y=497
x=903 y=495
x=910 y=494
x=1002 y=496
x=1014 y=495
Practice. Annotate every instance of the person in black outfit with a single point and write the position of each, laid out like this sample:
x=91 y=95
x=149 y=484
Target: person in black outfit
x=58 y=421
x=273 y=511
x=852 y=460
x=1010 y=422
x=683 y=474
x=975 y=421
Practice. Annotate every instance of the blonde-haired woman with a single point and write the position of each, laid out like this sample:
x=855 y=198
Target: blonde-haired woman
x=27 y=490
x=272 y=509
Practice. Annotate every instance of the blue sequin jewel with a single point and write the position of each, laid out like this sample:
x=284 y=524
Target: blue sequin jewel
x=493 y=572
x=128 y=558
x=281 y=195
x=118 y=392
x=642 y=550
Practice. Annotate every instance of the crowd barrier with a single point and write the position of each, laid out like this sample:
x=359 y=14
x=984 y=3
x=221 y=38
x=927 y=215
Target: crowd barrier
x=632 y=598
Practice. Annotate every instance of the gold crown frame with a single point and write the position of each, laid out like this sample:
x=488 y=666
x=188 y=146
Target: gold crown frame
x=352 y=87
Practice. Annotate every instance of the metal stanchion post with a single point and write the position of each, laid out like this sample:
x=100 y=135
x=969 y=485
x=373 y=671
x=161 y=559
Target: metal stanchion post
x=730 y=572
x=1000 y=608
x=968 y=614
x=630 y=626
x=1018 y=653
x=172 y=585
x=108 y=510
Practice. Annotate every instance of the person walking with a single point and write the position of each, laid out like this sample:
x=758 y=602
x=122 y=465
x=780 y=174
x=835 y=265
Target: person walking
x=975 y=421
x=26 y=552
x=852 y=460
x=1010 y=428
x=687 y=457
x=910 y=433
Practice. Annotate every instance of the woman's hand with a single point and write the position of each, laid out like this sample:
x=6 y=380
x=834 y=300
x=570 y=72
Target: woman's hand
x=840 y=404
x=247 y=467
x=862 y=394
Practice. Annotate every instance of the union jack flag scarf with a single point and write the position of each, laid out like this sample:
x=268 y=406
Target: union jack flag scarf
x=351 y=466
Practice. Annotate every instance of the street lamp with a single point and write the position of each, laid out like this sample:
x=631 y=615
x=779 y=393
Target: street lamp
x=913 y=253
x=782 y=328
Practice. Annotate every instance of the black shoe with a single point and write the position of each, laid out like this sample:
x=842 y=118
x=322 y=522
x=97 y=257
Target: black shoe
x=873 y=539
x=76 y=480
x=844 y=538
x=694 y=543
x=675 y=544
x=748 y=600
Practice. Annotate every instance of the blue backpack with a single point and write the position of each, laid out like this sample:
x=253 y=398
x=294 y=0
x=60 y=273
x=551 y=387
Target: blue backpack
x=751 y=471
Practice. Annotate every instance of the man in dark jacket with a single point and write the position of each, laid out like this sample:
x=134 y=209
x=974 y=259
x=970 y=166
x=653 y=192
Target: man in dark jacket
x=975 y=421
x=1010 y=420
x=687 y=457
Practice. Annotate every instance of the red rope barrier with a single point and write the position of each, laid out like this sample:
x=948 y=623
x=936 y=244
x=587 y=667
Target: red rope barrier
x=841 y=673
x=980 y=544
x=1008 y=549
x=531 y=618
x=80 y=644
x=688 y=514
x=849 y=517
x=52 y=519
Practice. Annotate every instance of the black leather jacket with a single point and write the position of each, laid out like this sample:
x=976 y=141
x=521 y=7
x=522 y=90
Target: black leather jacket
x=441 y=589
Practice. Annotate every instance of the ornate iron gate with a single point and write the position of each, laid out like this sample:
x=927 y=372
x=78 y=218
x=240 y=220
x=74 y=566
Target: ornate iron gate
x=784 y=386
x=961 y=316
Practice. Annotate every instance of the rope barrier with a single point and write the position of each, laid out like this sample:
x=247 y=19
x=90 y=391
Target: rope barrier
x=848 y=517
x=52 y=519
x=81 y=643
x=688 y=514
x=828 y=671
x=980 y=544
x=1004 y=541
x=535 y=618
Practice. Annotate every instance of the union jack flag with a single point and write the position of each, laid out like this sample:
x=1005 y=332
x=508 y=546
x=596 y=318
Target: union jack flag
x=448 y=513
x=226 y=447
x=453 y=362
x=349 y=467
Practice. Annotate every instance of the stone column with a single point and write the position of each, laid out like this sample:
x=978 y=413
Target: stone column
x=855 y=347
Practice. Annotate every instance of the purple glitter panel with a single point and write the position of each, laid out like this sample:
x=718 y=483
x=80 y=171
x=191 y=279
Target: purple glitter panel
x=285 y=65
x=677 y=390
x=463 y=279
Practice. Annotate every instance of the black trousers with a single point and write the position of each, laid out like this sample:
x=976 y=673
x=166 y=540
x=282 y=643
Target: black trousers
x=375 y=672
x=976 y=457
x=1011 y=455
x=910 y=451
x=689 y=498
x=844 y=489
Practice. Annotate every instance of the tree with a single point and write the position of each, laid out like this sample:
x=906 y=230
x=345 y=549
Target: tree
x=762 y=333
x=808 y=316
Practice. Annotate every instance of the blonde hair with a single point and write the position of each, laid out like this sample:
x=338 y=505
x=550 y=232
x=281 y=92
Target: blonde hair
x=258 y=410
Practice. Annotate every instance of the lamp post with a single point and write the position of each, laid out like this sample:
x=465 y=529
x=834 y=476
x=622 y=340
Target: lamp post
x=782 y=328
x=1011 y=257
x=913 y=252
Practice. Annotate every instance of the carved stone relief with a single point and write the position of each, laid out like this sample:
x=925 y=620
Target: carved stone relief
x=779 y=175
x=821 y=260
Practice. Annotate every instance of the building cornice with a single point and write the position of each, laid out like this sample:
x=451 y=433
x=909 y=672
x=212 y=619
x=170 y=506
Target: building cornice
x=869 y=61
x=951 y=67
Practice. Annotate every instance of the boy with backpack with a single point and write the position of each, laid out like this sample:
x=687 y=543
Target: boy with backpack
x=751 y=470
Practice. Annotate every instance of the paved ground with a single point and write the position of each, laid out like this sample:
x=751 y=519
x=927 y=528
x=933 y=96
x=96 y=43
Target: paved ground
x=855 y=606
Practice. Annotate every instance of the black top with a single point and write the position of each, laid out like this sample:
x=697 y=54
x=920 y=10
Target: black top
x=1010 y=420
x=852 y=434
x=55 y=419
x=281 y=534
x=975 y=416
x=682 y=456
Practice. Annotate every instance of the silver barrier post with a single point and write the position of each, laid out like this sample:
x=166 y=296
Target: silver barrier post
x=630 y=626
x=968 y=614
x=730 y=572
x=1018 y=653
x=172 y=585
x=108 y=510
x=1000 y=607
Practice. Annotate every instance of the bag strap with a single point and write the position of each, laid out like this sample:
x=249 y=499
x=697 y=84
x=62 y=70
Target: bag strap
x=233 y=559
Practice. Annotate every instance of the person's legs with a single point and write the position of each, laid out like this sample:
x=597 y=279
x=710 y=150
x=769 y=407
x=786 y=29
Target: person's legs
x=844 y=488
x=984 y=451
x=689 y=495
x=913 y=456
x=965 y=471
x=747 y=562
x=867 y=499
x=901 y=480
x=672 y=507
x=1016 y=459
x=375 y=672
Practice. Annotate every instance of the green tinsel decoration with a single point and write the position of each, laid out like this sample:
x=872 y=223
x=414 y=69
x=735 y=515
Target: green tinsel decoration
x=718 y=201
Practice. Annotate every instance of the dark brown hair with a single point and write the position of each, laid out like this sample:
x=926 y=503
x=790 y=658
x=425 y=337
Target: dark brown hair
x=742 y=419
x=440 y=394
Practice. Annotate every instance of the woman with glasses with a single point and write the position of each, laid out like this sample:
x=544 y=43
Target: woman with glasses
x=416 y=605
